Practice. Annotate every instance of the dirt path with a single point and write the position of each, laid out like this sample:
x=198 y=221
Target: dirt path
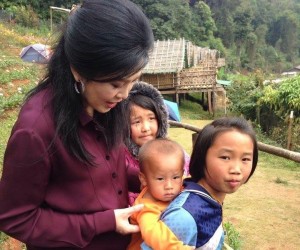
x=266 y=213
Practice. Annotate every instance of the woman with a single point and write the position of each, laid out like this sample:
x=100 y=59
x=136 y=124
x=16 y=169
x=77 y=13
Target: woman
x=64 y=182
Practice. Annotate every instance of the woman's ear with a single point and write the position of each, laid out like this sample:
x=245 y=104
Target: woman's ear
x=142 y=179
x=76 y=75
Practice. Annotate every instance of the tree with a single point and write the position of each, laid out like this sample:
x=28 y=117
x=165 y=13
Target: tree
x=203 y=24
x=289 y=36
x=39 y=7
x=170 y=19
x=251 y=47
x=242 y=28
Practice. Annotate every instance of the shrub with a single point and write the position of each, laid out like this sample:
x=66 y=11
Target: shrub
x=269 y=106
x=26 y=16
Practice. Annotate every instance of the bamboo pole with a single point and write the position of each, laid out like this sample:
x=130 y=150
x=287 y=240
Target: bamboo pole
x=287 y=154
x=289 y=136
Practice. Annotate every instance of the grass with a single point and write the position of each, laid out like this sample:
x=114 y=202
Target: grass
x=19 y=36
x=267 y=160
x=16 y=76
x=7 y=122
x=232 y=236
x=14 y=97
x=25 y=72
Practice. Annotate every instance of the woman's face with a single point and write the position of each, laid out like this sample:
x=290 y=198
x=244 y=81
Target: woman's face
x=143 y=125
x=103 y=96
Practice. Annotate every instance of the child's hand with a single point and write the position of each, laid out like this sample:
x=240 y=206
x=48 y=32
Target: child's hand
x=186 y=247
x=122 y=219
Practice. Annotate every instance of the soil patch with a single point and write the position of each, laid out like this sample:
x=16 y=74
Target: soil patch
x=267 y=213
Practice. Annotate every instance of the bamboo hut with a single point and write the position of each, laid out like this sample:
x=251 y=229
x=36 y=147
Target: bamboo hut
x=178 y=66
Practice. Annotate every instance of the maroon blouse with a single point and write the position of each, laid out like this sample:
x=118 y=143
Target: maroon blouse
x=48 y=198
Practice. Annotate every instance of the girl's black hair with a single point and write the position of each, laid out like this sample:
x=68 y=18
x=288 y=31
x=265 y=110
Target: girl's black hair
x=102 y=40
x=207 y=137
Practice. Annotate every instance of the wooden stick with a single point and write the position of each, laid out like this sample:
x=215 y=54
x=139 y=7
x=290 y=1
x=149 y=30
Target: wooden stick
x=287 y=154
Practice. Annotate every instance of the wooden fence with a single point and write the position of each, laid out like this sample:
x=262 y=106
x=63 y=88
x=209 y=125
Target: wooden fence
x=287 y=154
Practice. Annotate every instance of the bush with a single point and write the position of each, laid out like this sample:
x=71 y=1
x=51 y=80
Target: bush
x=268 y=106
x=26 y=16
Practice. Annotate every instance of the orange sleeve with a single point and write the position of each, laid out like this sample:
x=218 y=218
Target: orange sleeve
x=155 y=232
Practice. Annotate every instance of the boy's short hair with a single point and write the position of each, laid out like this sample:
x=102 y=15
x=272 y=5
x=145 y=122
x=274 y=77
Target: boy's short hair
x=161 y=146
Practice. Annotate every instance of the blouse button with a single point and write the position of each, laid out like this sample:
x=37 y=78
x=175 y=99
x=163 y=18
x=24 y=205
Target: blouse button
x=107 y=157
x=114 y=175
x=120 y=192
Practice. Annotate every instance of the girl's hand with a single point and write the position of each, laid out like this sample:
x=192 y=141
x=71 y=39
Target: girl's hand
x=122 y=219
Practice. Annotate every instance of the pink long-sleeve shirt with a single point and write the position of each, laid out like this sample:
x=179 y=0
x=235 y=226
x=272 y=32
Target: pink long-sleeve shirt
x=48 y=198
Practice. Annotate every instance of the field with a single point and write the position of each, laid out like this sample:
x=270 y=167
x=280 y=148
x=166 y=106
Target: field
x=264 y=213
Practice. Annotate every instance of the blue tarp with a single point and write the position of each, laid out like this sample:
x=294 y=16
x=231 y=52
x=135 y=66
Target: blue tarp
x=173 y=110
x=224 y=82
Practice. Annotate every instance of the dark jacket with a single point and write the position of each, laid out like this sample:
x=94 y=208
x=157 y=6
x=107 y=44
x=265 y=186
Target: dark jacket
x=49 y=199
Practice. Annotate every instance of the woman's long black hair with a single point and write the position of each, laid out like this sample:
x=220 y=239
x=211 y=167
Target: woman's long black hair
x=106 y=40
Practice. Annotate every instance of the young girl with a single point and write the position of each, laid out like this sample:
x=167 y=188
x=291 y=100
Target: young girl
x=64 y=183
x=224 y=157
x=148 y=119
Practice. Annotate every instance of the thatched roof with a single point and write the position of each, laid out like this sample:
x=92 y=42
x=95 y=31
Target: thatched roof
x=167 y=56
x=171 y=56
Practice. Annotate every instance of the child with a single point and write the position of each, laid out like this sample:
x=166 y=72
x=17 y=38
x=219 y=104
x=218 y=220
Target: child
x=148 y=119
x=161 y=171
x=224 y=157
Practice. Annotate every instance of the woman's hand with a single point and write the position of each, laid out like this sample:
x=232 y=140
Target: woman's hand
x=122 y=219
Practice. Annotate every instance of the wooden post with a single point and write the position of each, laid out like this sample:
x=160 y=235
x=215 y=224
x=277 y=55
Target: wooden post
x=213 y=101
x=51 y=14
x=289 y=136
x=209 y=101
x=176 y=88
